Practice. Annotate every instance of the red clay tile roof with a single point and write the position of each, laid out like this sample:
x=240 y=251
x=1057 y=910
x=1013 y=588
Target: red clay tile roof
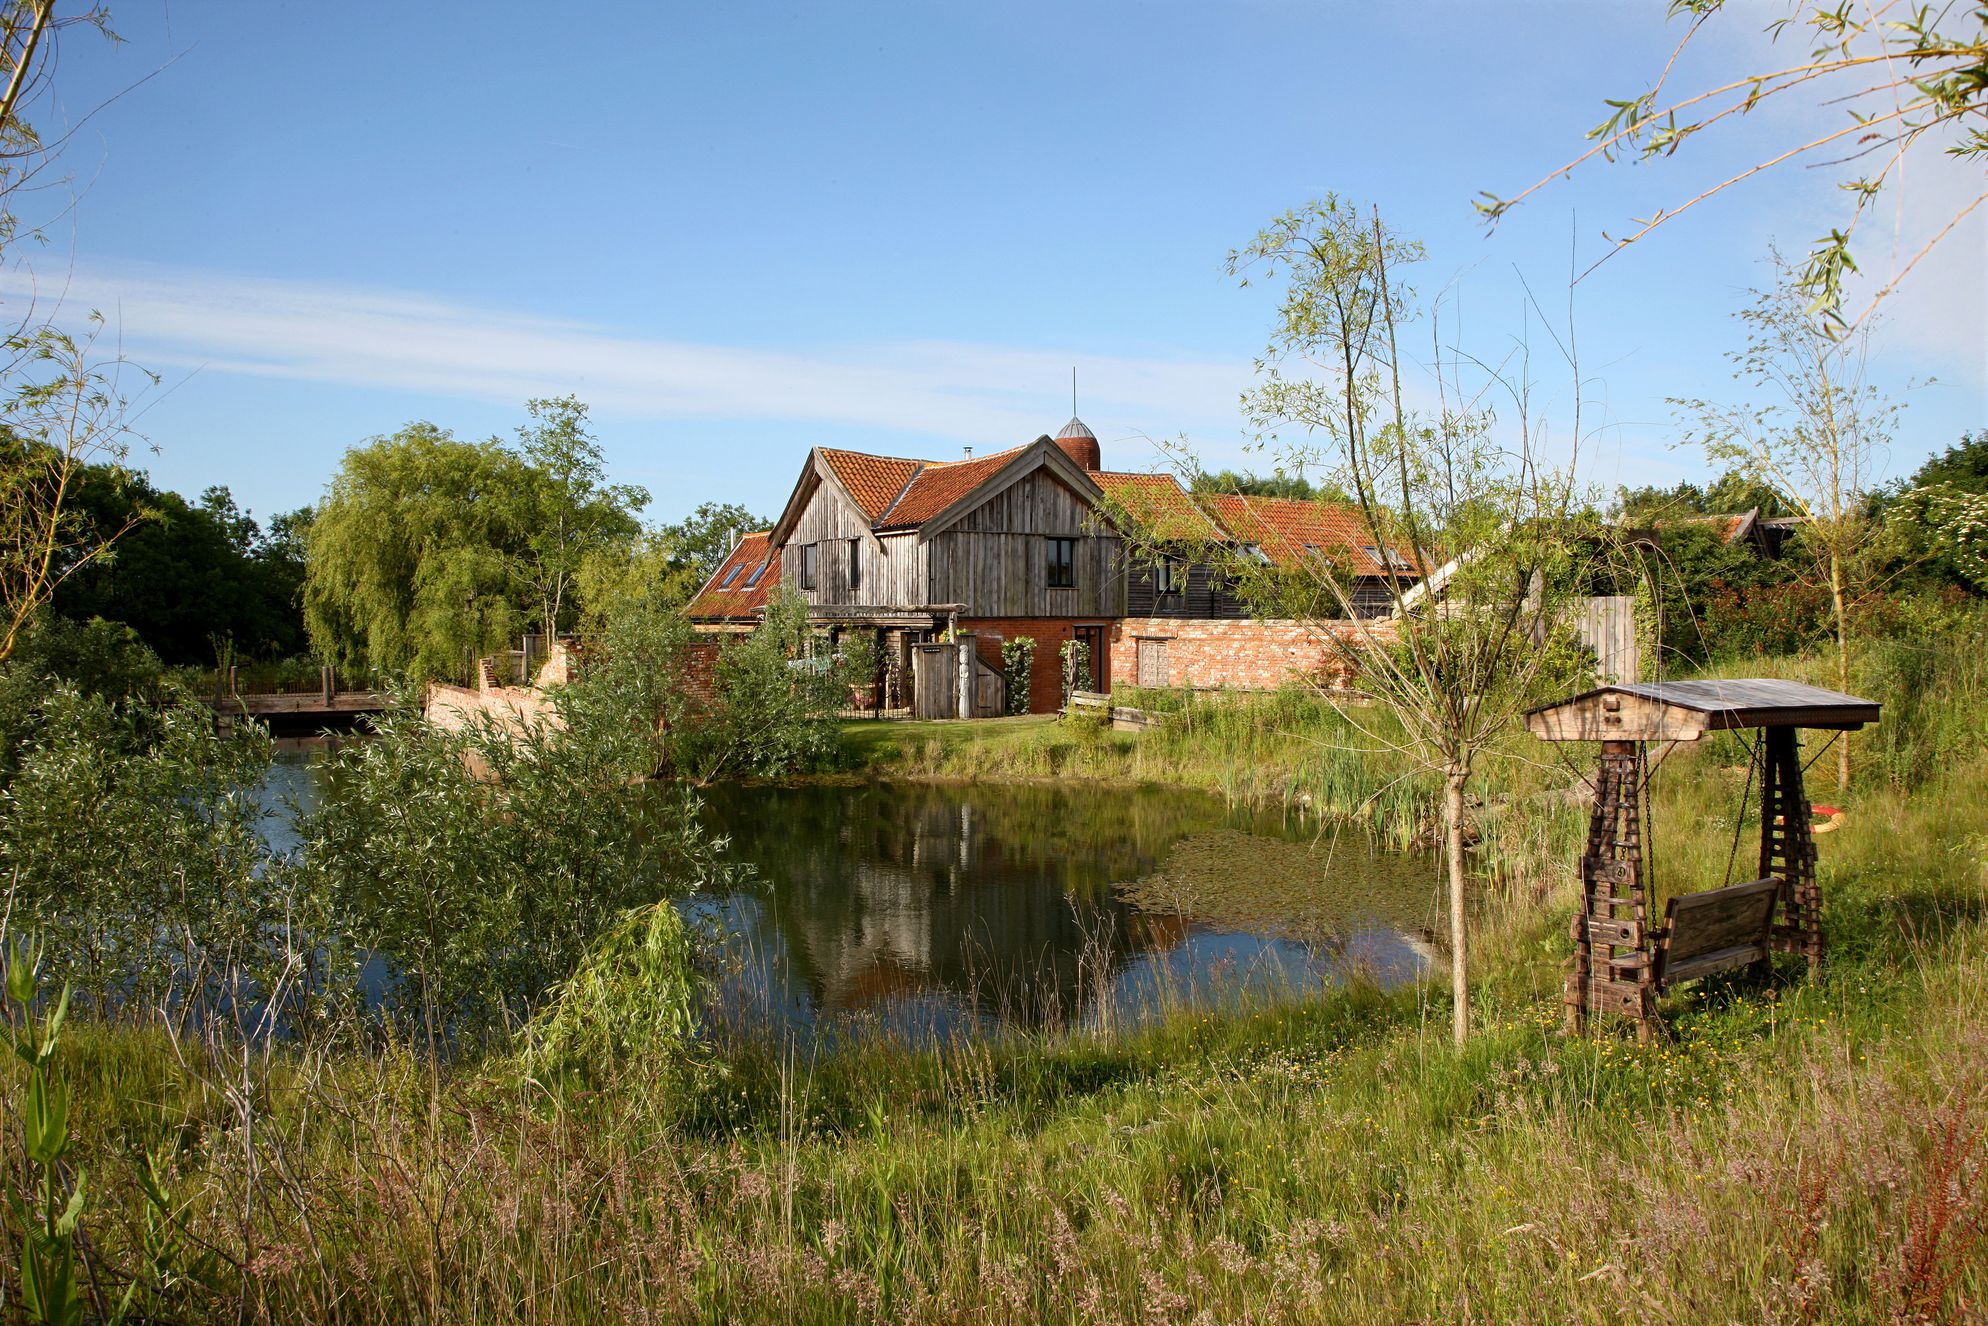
x=1160 y=504
x=1289 y=529
x=939 y=484
x=874 y=481
x=732 y=591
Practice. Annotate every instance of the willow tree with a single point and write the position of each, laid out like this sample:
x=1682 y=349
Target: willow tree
x=1484 y=524
x=411 y=558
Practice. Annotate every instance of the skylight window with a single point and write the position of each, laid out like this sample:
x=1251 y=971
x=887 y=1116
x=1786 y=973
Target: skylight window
x=757 y=572
x=1388 y=557
x=731 y=575
x=1253 y=553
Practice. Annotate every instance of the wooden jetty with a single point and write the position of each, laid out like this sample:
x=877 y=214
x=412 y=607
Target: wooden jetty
x=322 y=706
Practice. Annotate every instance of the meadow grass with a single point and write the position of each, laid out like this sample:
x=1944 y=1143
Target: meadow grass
x=1814 y=1148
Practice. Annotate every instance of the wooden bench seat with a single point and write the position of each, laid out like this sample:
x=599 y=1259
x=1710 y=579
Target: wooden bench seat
x=1714 y=931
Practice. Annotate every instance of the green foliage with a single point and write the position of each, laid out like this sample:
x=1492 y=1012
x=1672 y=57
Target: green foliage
x=570 y=513
x=1017 y=665
x=129 y=832
x=627 y=1010
x=186 y=575
x=412 y=552
x=772 y=706
x=1732 y=493
x=480 y=865
x=428 y=550
x=700 y=541
x=1277 y=484
x=1709 y=598
x=49 y=1218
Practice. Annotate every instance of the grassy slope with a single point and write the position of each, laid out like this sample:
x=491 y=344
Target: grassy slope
x=1800 y=1152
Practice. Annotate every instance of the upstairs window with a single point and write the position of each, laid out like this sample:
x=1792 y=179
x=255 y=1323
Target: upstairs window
x=731 y=575
x=1166 y=575
x=1388 y=557
x=757 y=572
x=855 y=564
x=1062 y=563
x=807 y=566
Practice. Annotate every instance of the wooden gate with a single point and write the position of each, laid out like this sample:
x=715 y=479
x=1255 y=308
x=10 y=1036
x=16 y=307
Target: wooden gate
x=934 y=681
x=1608 y=626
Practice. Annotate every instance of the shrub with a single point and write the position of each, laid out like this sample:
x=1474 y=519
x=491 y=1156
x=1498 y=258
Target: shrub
x=627 y=1006
x=131 y=836
x=1018 y=662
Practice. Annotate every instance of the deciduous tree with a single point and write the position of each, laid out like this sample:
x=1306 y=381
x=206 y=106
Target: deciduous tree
x=1816 y=431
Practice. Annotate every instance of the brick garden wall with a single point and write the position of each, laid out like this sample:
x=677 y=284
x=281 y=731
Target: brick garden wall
x=1049 y=633
x=1246 y=655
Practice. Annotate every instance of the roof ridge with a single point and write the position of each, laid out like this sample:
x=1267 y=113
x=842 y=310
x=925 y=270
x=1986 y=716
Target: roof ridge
x=874 y=455
x=917 y=469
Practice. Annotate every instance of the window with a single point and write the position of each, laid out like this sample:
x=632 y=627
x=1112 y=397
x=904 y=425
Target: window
x=855 y=564
x=1166 y=575
x=807 y=566
x=757 y=572
x=1062 y=563
x=731 y=575
x=1388 y=557
x=1251 y=552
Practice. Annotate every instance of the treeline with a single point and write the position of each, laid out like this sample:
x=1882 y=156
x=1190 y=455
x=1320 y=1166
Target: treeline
x=1922 y=554
x=425 y=551
x=194 y=580
x=429 y=550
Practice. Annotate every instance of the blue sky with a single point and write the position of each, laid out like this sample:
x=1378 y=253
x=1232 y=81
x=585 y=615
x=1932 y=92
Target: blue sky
x=741 y=230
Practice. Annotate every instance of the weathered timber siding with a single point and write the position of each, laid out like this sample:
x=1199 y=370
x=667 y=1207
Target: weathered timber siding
x=995 y=560
x=892 y=567
x=1201 y=593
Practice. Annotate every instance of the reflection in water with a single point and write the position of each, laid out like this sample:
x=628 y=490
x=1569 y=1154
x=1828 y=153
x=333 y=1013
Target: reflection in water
x=925 y=910
x=929 y=909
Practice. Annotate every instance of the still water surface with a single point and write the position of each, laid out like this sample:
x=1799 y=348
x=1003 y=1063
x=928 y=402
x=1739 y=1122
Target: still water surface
x=925 y=910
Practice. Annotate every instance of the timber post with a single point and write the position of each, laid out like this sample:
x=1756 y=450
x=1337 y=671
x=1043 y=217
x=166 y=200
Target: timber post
x=1787 y=847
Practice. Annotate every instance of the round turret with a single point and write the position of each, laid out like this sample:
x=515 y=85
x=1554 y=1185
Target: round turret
x=1080 y=444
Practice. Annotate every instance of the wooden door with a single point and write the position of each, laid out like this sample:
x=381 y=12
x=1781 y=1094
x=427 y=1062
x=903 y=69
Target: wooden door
x=1152 y=662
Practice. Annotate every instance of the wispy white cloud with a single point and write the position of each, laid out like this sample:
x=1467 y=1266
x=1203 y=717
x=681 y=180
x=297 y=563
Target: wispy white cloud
x=171 y=318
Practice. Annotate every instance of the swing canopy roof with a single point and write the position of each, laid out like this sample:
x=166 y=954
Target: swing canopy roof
x=1687 y=710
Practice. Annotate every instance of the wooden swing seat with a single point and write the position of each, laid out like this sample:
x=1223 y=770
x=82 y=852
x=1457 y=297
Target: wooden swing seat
x=1707 y=933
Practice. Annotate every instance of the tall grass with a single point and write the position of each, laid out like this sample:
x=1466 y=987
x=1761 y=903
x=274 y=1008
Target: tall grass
x=1812 y=1149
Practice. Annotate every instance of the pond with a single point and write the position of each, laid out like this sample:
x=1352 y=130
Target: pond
x=926 y=910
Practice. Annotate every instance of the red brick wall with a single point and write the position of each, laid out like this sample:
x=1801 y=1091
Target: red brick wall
x=1049 y=633
x=1247 y=655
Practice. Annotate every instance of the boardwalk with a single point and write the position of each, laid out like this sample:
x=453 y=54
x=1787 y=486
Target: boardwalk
x=292 y=709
